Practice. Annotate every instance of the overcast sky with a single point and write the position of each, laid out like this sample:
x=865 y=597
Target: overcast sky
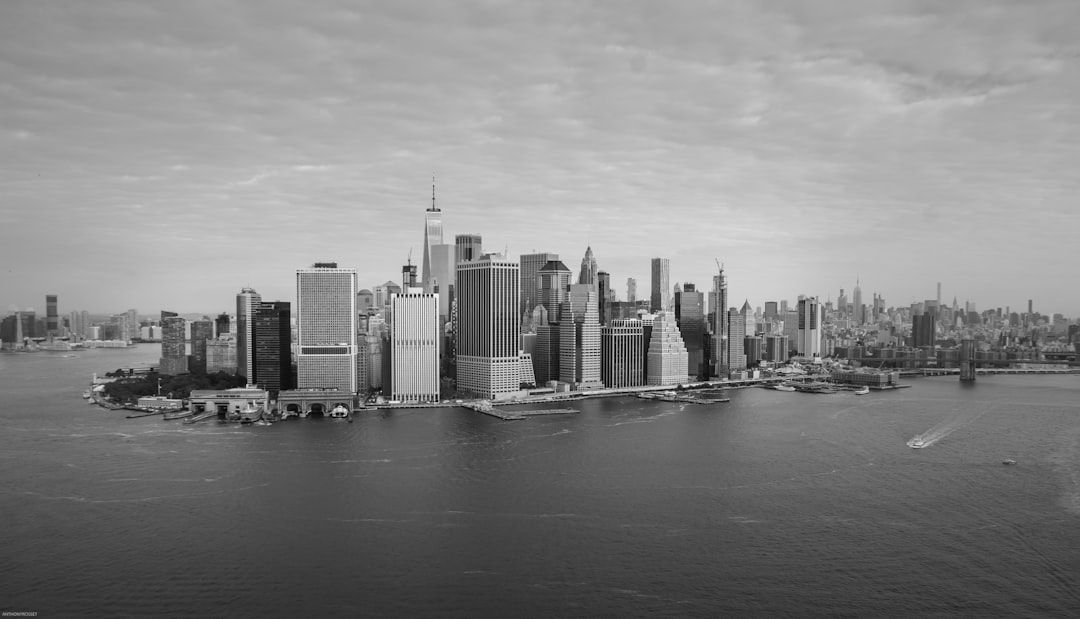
x=165 y=154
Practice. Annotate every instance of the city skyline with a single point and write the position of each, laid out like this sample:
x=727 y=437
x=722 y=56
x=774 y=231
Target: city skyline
x=802 y=146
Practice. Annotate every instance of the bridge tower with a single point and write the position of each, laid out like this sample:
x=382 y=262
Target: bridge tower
x=967 y=359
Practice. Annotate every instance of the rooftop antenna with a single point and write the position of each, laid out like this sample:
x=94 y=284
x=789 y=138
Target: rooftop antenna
x=433 y=192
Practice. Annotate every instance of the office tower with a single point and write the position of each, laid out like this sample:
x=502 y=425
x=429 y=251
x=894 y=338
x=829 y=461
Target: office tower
x=771 y=311
x=442 y=278
x=365 y=301
x=736 y=334
x=546 y=349
x=488 y=326
x=414 y=346
x=201 y=332
x=221 y=324
x=859 y=310
x=631 y=290
x=221 y=354
x=783 y=308
x=376 y=328
x=622 y=354
x=132 y=324
x=173 y=345
x=52 y=319
x=1030 y=320
x=690 y=316
x=530 y=265
x=467 y=247
x=791 y=330
x=433 y=235
x=579 y=338
x=667 y=353
x=752 y=347
x=273 y=346
x=841 y=303
x=720 y=332
x=603 y=295
x=776 y=348
x=923 y=327
x=408 y=276
x=246 y=303
x=326 y=327
x=553 y=282
x=588 y=268
x=661 y=289
x=809 y=332
x=749 y=321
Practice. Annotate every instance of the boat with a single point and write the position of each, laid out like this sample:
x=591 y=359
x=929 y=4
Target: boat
x=251 y=412
x=339 y=412
x=179 y=414
x=1008 y=461
x=86 y=394
x=916 y=443
x=784 y=388
x=262 y=422
x=862 y=391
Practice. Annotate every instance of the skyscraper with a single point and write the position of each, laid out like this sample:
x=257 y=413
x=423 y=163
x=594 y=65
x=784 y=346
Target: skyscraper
x=579 y=338
x=553 y=282
x=201 y=332
x=488 y=326
x=467 y=247
x=809 y=333
x=690 y=316
x=326 y=327
x=622 y=354
x=661 y=288
x=631 y=290
x=174 y=358
x=667 y=353
x=588 y=268
x=735 y=331
x=546 y=349
x=433 y=235
x=52 y=318
x=857 y=309
x=720 y=335
x=530 y=269
x=603 y=295
x=414 y=346
x=273 y=346
x=246 y=303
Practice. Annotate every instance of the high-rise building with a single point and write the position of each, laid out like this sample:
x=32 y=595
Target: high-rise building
x=841 y=303
x=221 y=324
x=603 y=295
x=720 y=327
x=667 y=353
x=414 y=346
x=553 y=283
x=546 y=348
x=201 y=332
x=858 y=309
x=326 y=327
x=661 y=288
x=442 y=276
x=690 y=316
x=488 y=326
x=246 y=303
x=631 y=290
x=809 y=332
x=622 y=353
x=752 y=346
x=735 y=332
x=52 y=318
x=221 y=354
x=776 y=348
x=771 y=311
x=467 y=247
x=749 y=321
x=588 y=268
x=579 y=338
x=273 y=346
x=923 y=327
x=530 y=269
x=174 y=358
x=791 y=330
x=433 y=235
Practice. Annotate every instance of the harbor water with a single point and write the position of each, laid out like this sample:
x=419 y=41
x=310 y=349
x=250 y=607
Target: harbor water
x=771 y=504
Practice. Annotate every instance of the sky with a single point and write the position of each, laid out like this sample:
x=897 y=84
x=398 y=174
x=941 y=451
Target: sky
x=165 y=155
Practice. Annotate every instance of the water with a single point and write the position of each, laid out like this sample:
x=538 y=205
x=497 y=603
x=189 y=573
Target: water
x=774 y=503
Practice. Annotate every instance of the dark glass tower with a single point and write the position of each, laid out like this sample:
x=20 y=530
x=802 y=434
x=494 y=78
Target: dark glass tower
x=272 y=346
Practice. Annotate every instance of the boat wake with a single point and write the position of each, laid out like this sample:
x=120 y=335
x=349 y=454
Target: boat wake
x=944 y=429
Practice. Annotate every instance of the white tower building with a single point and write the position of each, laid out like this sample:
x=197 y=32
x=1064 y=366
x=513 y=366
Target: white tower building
x=414 y=346
x=668 y=359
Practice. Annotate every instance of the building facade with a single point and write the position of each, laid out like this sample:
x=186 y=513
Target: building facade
x=530 y=265
x=809 y=333
x=622 y=358
x=273 y=346
x=246 y=303
x=326 y=327
x=488 y=326
x=579 y=338
x=667 y=360
x=414 y=346
x=660 y=298
x=690 y=316
x=174 y=359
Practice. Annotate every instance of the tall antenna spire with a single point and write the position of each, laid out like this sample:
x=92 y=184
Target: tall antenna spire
x=433 y=193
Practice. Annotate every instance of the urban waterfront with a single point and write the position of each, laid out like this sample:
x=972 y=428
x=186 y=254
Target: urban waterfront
x=772 y=503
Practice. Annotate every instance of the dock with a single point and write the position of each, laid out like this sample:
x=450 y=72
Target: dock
x=684 y=398
x=136 y=416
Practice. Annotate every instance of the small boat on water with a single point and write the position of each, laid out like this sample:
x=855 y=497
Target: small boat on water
x=784 y=388
x=339 y=412
x=251 y=412
x=1008 y=461
x=86 y=394
x=916 y=443
x=862 y=391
